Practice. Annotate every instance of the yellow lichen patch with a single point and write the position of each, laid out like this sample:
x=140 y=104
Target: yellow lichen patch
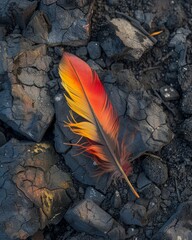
x=47 y=202
x=40 y=147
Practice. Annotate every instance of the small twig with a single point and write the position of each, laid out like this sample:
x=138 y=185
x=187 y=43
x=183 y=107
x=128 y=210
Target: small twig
x=149 y=69
x=152 y=155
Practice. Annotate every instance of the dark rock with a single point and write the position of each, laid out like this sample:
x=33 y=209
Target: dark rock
x=15 y=12
x=131 y=232
x=142 y=181
x=3 y=32
x=88 y=217
x=33 y=190
x=83 y=236
x=101 y=62
x=165 y=193
x=124 y=40
x=94 y=50
x=148 y=19
x=26 y=104
x=49 y=2
x=59 y=51
x=109 y=77
x=139 y=15
x=81 y=52
x=81 y=190
x=178 y=151
x=94 y=65
x=173 y=21
x=127 y=81
x=38 y=28
x=2 y=139
x=178 y=226
x=179 y=38
x=67 y=5
x=151 y=119
x=169 y=93
x=163 y=38
x=186 y=129
x=94 y=195
x=61 y=22
x=116 y=67
x=112 y=2
x=134 y=214
x=185 y=77
x=153 y=207
x=155 y=170
x=151 y=191
x=186 y=101
x=116 y=200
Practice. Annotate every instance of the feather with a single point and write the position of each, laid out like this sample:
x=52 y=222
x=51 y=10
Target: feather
x=86 y=96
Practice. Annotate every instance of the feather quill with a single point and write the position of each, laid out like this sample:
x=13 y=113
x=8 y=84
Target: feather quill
x=86 y=96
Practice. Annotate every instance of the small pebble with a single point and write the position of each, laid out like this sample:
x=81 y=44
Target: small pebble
x=169 y=93
x=155 y=170
x=94 y=50
x=116 y=200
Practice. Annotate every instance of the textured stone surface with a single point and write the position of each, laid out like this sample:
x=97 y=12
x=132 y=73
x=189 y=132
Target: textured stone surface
x=185 y=77
x=94 y=195
x=26 y=104
x=186 y=101
x=142 y=181
x=94 y=50
x=168 y=93
x=33 y=190
x=61 y=22
x=186 y=129
x=155 y=170
x=15 y=12
x=151 y=119
x=124 y=40
x=179 y=226
x=133 y=214
x=88 y=217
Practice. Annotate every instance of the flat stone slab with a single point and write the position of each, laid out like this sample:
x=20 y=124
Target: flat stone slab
x=124 y=40
x=88 y=217
x=61 y=23
x=33 y=191
x=25 y=102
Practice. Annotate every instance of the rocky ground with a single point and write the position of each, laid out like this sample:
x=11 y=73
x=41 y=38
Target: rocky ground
x=46 y=192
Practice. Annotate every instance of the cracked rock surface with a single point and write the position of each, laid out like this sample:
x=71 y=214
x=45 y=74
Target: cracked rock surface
x=14 y=12
x=33 y=191
x=61 y=22
x=25 y=104
x=89 y=217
